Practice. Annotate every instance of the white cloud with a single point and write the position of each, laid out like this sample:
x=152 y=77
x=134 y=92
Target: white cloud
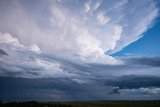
x=57 y=27
x=91 y=6
x=102 y=18
x=87 y=6
x=79 y=81
x=34 y=48
x=6 y=38
x=148 y=90
x=13 y=42
x=135 y=24
x=97 y=4
x=152 y=90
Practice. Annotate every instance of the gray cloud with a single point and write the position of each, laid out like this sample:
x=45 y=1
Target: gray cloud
x=147 y=61
x=114 y=91
x=50 y=89
x=74 y=78
x=31 y=64
x=132 y=81
x=2 y=52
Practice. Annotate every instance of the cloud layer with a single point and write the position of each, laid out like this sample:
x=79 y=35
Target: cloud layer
x=52 y=78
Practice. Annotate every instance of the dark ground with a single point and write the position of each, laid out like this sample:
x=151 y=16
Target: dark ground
x=84 y=104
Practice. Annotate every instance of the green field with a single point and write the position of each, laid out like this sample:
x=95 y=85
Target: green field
x=84 y=104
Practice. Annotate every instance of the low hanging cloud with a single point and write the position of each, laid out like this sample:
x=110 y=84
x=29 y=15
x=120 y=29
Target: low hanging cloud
x=147 y=91
x=62 y=79
x=83 y=30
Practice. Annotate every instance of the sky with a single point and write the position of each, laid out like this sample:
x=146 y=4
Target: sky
x=76 y=50
x=148 y=45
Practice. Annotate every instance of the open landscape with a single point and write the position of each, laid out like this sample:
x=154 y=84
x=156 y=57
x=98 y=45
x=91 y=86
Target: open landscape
x=84 y=104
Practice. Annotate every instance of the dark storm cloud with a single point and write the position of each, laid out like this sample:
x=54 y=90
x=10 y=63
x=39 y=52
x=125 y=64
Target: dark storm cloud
x=74 y=80
x=114 y=91
x=132 y=81
x=49 y=89
x=16 y=71
x=64 y=89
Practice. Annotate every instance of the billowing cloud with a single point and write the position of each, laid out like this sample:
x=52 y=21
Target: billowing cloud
x=84 y=30
x=6 y=38
x=34 y=48
x=12 y=42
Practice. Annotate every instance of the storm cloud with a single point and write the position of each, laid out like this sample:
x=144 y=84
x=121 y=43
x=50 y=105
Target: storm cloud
x=62 y=50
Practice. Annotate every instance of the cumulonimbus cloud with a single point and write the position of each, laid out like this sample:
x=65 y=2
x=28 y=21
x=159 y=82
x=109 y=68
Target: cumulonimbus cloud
x=82 y=30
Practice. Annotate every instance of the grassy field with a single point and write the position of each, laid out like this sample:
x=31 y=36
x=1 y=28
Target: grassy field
x=84 y=104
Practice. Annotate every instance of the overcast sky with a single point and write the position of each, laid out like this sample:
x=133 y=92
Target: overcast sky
x=88 y=49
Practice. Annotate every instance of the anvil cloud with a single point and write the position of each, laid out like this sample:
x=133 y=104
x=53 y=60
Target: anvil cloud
x=83 y=30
